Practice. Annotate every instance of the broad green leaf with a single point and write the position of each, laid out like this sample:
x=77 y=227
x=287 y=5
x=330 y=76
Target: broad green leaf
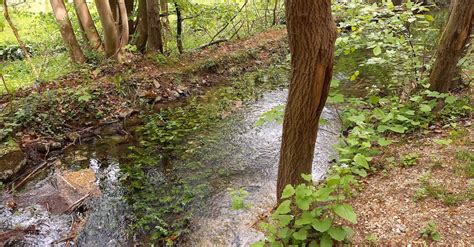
x=377 y=50
x=374 y=100
x=326 y=241
x=450 y=99
x=284 y=207
x=346 y=212
x=283 y=232
x=425 y=108
x=303 y=202
x=284 y=220
x=323 y=194
x=307 y=177
x=322 y=225
x=384 y=142
x=361 y=160
x=306 y=219
x=337 y=233
x=302 y=234
x=397 y=129
x=336 y=98
x=288 y=192
x=436 y=236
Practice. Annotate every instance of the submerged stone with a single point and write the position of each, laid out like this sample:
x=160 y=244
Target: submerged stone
x=12 y=159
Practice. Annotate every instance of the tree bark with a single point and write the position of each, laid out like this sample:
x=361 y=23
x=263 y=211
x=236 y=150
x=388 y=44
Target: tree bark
x=87 y=24
x=123 y=23
x=165 y=20
x=130 y=5
x=142 y=26
x=312 y=35
x=67 y=33
x=6 y=14
x=179 y=28
x=155 y=40
x=111 y=37
x=453 y=40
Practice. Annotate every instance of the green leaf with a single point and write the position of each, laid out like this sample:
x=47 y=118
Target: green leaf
x=377 y=50
x=283 y=232
x=336 y=98
x=306 y=219
x=307 y=177
x=384 y=142
x=436 y=236
x=284 y=207
x=360 y=172
x=302 y=234
x=397 y=129
x=303 y=203
x=443 y=141
x=374 y=100
x=337 y=233
x=322 y=225
x=326 y=241
x=284 y=220
x=258 y=244
x=346 y=212
x=323 y=194
x=425 y=108
x=288 y=192
x=450 y=99
x=361 y=160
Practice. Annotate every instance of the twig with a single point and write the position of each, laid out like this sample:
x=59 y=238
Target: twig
x=4 y=83
x=77 y=203
x=42 y=166
x=67 y=182
x=212 y=43
x=228 y=23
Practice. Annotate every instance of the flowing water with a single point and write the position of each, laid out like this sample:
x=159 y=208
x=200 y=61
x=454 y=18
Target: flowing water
x=242 y=156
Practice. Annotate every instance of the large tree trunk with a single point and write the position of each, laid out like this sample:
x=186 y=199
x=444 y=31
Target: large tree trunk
x=87 y=24
x=141 y=35
x=111 y=37
x=65 y=26
x=155 y=40
x=312 y=35
x=451 y=46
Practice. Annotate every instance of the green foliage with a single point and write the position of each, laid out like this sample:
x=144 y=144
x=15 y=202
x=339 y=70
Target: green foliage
x=238 y=199
x=410 y=159
x=432 y=188
x=430 y=232
x=310 y=214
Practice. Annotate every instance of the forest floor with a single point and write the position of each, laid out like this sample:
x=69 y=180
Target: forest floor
x=421 y=180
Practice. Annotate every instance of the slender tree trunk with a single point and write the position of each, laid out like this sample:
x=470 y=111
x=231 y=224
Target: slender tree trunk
x=451 y=46
x=165 y=20
x=312 y=35
x=69 y=38
x=275 y=13
x=87 y=24
x=179 y=28
x=111 y=37
x=142 y=26
x=155 y=40
x=18 y=39
x=123 y=23
x=130 y=5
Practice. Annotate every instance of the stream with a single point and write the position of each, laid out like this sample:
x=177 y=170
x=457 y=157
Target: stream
x=240 y=156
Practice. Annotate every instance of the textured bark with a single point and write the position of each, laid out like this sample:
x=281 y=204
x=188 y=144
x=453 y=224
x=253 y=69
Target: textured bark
x=155 y=40
x=87 y=24
x=179 y=28
x=164 y=10
x=142 y=26
x=6 y=14
x=123 y=23
x=454 y=39
x=111 y=37
x=67 y=33
x=312 y=35
x=130 y=5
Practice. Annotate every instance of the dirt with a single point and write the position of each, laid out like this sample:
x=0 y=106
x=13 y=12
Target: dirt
x=389 y=207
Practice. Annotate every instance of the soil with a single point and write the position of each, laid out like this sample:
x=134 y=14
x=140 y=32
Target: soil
x=392 y=208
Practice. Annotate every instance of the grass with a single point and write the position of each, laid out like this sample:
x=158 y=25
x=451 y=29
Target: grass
x=434 y=189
